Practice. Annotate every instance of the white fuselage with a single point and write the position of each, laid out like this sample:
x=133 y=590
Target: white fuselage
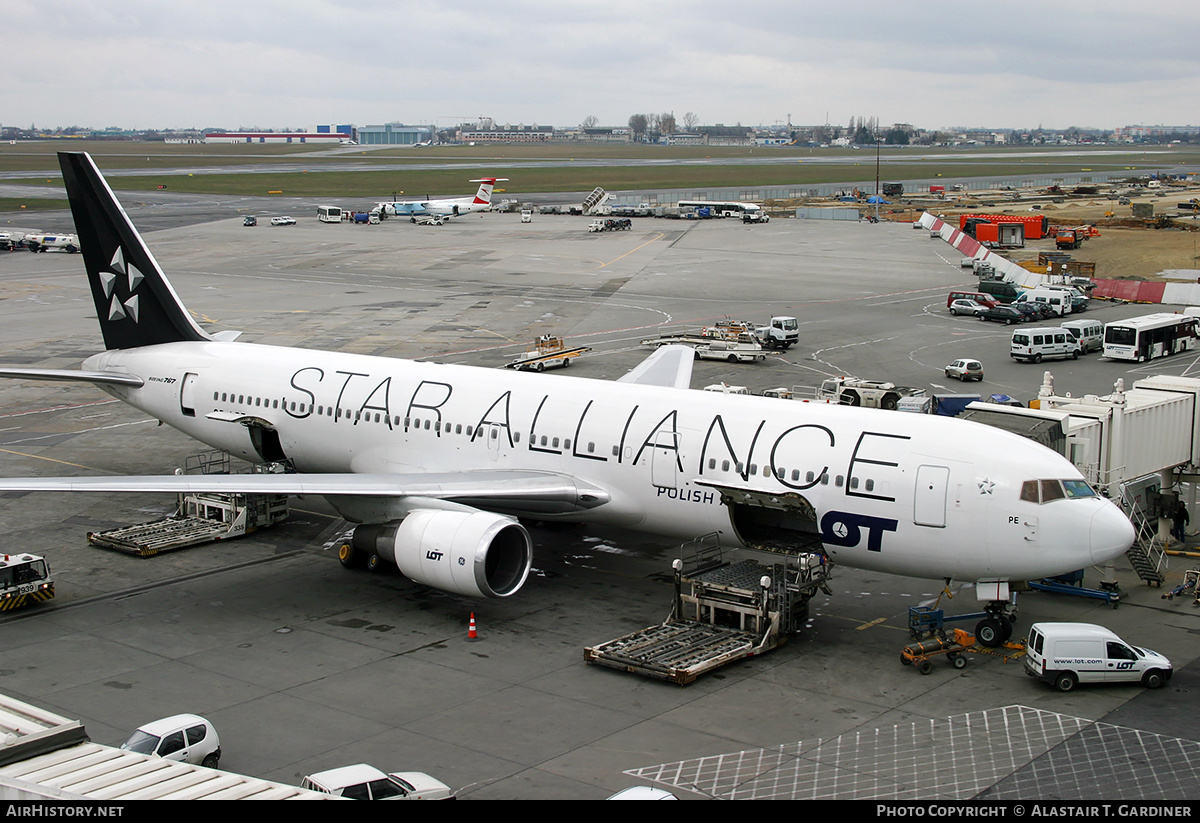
x=900 y=493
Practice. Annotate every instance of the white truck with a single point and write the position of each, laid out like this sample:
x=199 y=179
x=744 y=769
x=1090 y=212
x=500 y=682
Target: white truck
x=46 y=242
x=871 y=394
x=781 y=333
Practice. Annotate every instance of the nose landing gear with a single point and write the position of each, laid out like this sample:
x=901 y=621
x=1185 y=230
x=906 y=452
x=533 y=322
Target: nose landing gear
x=996 y=627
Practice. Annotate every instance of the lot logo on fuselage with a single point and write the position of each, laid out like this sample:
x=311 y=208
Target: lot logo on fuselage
x=845 y=529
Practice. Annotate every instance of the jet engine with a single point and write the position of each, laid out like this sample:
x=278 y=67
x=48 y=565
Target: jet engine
x=474 y=553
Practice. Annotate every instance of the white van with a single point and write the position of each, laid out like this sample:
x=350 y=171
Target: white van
x=1088 y=333
x=1067 y=654
x=1039 y=343
x=1059 y=301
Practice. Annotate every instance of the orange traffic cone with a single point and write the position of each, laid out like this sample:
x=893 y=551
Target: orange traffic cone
x=471 y=633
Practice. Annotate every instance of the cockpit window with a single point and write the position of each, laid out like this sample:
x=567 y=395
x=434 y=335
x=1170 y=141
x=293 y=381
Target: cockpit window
x=1051 y=490
x=1078 y=488
x=1043 y=491
x=1029 y=492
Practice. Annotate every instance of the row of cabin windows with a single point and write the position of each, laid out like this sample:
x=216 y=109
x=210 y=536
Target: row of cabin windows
x=783 y=474
x=545 y=441
x=368 y=417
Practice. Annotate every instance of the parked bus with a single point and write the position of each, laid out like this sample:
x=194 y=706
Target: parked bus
x=720 y=208
x=329 y=214
x=1149 y=336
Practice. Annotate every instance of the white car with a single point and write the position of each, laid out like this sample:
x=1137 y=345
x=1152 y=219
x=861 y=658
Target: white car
x=363 y=782
x=186 y=738
x=283 y=221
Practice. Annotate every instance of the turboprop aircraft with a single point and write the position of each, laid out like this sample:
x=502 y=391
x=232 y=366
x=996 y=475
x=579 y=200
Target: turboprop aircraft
x=435 y=463
x=420 y=211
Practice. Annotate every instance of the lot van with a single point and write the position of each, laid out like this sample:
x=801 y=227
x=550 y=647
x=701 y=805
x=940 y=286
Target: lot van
x=1039 y=343
x=979 y=297
x=1067 y=654
x=1088 y=333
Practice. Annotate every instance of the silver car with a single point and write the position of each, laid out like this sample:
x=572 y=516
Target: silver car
x=965 y=369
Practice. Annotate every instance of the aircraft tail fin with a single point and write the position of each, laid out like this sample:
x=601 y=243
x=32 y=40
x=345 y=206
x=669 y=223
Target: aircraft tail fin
x=486 y=186
x=134 y=301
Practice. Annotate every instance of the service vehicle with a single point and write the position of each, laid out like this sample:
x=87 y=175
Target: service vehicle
x=780 y=333
x=283 y=221
x=733 y=351
x=1067 y=654
x=186 y=738
x=965 y=369
x=736 y=341
x=967 y=307
x=24 y=578
x=363 y=782
x=1079 y=298
x=526 y=216
x=51 y=242
x=872 y=394
x=1059 y=302
x=546 y=352
x=1068 y=239
x=1088 y=333
x=1039 y=343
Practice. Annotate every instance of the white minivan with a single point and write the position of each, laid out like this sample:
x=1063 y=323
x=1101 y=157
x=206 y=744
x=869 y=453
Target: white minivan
x=1067 y=654
x=1039 y=343
x=1088 y=333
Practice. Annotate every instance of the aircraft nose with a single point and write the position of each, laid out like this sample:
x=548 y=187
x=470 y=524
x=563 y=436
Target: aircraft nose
x=1111 y=534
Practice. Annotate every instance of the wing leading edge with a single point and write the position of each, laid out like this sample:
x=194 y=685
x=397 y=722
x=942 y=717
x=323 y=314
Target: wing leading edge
x=539 y=492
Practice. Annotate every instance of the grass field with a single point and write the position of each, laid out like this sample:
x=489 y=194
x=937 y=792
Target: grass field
x=331 y=171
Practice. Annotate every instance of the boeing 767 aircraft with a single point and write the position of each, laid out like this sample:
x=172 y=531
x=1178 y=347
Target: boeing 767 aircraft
x=435 y=463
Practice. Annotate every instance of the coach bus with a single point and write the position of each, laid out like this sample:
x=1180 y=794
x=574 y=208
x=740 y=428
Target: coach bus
x=1149 y=336
x=329 y=214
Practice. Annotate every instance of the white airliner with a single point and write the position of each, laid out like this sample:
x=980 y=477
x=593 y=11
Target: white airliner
x=420 y=211
x=436 y=462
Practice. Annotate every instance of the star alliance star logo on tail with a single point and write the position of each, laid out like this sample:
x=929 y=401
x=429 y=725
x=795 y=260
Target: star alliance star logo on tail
x=118 y=309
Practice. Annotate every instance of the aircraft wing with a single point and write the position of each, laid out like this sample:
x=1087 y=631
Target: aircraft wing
x=526 y=491
x=73 y=376
x=669 y=366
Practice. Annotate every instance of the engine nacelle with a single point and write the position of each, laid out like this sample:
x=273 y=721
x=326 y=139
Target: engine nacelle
x=474 y=553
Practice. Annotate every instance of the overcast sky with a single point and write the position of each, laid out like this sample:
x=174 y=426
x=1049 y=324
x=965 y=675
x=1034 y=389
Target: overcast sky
x=298 y=63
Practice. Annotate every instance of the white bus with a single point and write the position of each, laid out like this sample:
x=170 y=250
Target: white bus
x=329 y=214
x=1149 y=336
x=720 y=208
